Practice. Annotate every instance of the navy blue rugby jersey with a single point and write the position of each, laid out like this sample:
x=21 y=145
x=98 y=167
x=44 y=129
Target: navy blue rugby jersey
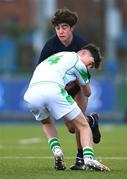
x=54 y=45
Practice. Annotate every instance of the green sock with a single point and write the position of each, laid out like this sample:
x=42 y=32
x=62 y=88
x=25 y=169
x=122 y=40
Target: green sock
x=54 y=143
x=88 y=152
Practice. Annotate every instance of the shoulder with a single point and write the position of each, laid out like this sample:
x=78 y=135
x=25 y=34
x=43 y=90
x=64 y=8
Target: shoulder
x=52 y=44
x=51 y=40
x=80 y=39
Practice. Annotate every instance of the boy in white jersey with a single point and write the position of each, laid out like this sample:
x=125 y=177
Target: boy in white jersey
x=46 y=96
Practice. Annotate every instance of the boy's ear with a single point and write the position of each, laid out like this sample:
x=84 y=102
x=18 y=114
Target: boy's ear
x=72 y=28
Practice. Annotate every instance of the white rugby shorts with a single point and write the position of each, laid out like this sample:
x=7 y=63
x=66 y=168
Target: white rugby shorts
x=51 y=99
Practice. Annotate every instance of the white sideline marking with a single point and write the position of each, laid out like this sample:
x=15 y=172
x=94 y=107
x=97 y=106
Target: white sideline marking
x=51 y=157
x=24 y=146
x=30 y=140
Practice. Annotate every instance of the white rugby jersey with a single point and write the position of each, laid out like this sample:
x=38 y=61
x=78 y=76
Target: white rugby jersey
x=60 y=68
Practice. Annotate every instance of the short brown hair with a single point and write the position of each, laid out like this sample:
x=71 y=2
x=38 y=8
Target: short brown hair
x=95 y=51
x=64 y=16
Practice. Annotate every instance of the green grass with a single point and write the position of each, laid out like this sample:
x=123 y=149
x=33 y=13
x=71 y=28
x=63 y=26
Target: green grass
x=22 y=159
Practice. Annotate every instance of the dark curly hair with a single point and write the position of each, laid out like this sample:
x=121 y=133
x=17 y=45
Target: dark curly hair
x=95 y=51
x=64 y=16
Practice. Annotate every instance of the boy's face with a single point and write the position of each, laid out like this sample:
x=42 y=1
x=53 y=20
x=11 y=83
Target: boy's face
x=64 y=32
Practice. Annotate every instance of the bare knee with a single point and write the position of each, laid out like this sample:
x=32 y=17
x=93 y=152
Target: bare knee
x=81 y=122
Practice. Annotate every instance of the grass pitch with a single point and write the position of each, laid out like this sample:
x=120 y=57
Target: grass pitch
x=25 y=154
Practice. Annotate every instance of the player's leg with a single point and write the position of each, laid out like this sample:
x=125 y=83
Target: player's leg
x=53 y=141
x=79 y=162
x=92 y=119
x=36 y=98
x=86 y=143
x=82 y=102
x=76 y=91
x=83 y=138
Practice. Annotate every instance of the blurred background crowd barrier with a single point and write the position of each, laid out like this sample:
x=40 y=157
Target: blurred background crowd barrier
x=24 y=28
